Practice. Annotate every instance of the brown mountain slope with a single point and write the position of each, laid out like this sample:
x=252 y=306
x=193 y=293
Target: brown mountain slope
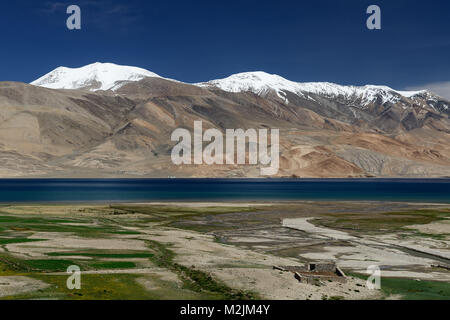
x=74 y=133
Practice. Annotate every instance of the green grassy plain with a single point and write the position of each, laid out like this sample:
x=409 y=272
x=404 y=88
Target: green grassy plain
x=19 y=224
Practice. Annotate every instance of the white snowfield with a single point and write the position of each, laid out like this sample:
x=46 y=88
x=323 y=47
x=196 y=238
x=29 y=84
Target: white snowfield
x=261 y=82
x=109 y=76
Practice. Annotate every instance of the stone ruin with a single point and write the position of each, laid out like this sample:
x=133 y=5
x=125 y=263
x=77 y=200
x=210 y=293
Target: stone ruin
x=313 y=273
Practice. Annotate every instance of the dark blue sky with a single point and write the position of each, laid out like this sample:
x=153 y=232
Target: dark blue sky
x=191 y=40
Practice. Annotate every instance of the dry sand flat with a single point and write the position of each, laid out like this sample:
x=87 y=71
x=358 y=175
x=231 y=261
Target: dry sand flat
x=57 y=210
x=250 y=270
x=384 y=251
x=438 y=227
x=54 y=242
x=303 y=224
x=237 y=267
x=282 y=285
x=17 y=285
x=438 y=248
x=205 y=204
x=149 y=283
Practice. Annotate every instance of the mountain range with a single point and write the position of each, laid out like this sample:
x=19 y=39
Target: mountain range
x=106 y=120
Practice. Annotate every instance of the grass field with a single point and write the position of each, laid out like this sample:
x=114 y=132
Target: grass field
x=18 y=224
x=412 y=289
x=383 y=222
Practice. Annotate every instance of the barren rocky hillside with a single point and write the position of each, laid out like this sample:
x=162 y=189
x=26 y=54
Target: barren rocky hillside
x=126 y=132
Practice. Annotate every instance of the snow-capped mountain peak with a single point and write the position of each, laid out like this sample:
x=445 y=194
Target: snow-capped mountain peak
x=257 y=82
x=109 y=76
x=260 y=82
x=93 y=77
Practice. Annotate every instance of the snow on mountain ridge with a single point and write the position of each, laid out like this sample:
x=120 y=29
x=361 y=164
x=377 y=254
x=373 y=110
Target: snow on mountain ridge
x=109 y=76
x=260 y=82
x=96 y=76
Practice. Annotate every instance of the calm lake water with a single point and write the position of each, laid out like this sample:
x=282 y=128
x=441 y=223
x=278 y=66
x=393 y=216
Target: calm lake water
x=131 y=190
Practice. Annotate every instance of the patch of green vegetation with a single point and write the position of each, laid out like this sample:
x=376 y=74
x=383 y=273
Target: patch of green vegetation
x=50 y=265
x=172 y=213
x=31 y=220
x=430 y=213
x=416 y=290
x=83 y=231
x=60 y=265
x=441 y=236
x=382 y=222
x=17 y=240
x=196 y=280
x=95 y=286
x=410 y=289
x=113 y=255
x=202 y=228
x=113 y=265
x=14 y=264
x=129 y=232
x=42 y=224
x=98 y=286
x=241 y=266
x=105 y=287
x=6 y=269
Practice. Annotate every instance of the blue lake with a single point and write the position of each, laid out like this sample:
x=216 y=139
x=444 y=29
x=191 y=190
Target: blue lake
x=132 y=190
